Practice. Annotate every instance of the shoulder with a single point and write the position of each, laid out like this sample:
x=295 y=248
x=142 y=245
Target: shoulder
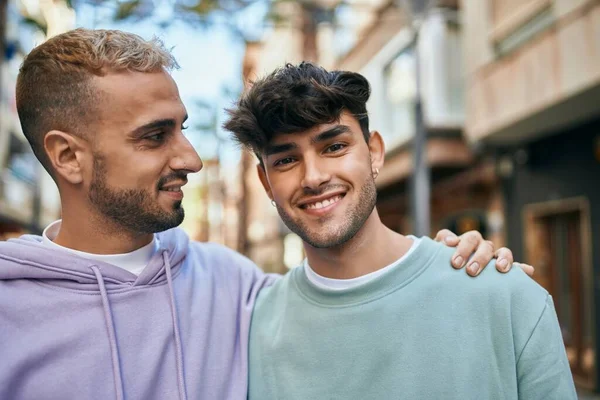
x=221 y=259
x=227 y=268
x=516 y=281
x=514 y=292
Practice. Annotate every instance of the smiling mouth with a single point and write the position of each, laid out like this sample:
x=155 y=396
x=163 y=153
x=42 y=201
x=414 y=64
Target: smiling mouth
x=174 y=192
x=322 y=204
x=172 y=189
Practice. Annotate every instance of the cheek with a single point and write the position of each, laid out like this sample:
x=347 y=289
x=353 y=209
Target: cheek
x=283 y=187
x=130 y=172
x=351 y=168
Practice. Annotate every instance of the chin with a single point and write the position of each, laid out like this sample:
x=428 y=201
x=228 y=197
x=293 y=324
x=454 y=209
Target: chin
x=167 y=220
x=325 y=242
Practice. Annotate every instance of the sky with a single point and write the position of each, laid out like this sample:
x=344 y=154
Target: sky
x=210 y=59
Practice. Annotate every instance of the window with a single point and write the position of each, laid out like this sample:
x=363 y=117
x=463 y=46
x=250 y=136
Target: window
x=400 y=91
x=514 y=22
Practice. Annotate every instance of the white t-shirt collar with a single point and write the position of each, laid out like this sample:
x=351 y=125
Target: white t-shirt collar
x=342 y=284
x=133 y=262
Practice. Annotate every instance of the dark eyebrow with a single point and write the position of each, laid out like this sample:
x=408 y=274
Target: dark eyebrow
x=280 y=148
x=330 y=133
x=161 y=123
x=321 y=137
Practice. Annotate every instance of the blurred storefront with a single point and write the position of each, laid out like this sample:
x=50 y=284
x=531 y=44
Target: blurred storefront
x=533 y=95
x=28 y=197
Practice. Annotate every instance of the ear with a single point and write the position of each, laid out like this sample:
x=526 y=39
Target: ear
x=262 y=174
x=67 y=155
x=377 y=150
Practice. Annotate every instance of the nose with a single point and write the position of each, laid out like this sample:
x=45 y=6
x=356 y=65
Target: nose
x=186 y=158
x=314 y=174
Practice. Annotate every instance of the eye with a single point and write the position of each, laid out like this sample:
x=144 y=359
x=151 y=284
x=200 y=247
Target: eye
x=283 y=161
x=335 y=147
x=157 y=137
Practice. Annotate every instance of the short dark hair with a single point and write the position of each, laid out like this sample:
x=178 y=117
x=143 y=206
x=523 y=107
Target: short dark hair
x=296 y=98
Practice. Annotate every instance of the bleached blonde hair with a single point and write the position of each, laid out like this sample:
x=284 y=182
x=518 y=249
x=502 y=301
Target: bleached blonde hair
x=54 y=90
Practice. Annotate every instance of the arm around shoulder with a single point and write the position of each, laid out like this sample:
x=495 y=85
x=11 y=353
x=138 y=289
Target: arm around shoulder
x=543 y=370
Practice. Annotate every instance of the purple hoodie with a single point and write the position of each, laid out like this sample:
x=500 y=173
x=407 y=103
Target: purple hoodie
x=73 y=328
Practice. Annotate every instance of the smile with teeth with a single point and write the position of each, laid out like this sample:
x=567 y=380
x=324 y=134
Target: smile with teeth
x=322 y=204
x=172 y=189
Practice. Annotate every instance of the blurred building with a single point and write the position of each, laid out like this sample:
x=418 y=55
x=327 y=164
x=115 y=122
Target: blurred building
x=533 y=100
x=211 y=205
x=28 y=197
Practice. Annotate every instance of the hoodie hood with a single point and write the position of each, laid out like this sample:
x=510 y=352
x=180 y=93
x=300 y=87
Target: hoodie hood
x=28 y=258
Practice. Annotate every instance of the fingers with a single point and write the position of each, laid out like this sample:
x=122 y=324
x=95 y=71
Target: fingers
x=529 y=270
x=504 y=259
x=468 y=244
x=482 y=256
x=448 y=237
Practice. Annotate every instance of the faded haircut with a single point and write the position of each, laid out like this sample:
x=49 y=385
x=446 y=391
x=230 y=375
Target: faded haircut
x=54 y=85
x=296 y=98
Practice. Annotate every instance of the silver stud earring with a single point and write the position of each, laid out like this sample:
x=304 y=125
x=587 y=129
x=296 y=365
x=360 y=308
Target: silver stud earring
x=273 y=203
x=376 y=173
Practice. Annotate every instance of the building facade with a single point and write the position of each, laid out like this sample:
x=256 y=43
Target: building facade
x=533 y=100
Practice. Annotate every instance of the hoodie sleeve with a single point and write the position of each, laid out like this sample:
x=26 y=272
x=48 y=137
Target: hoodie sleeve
x=543 y=370
x=253 y=280
x=244 y=278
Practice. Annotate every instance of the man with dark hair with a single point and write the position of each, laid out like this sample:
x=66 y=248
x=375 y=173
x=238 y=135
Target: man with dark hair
x=111 y=302
x=373 y=314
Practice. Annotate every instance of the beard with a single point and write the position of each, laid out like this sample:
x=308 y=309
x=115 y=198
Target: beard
x=352 y=222
x=135 y=210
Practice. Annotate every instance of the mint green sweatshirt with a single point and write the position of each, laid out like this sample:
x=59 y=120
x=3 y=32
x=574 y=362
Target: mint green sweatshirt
x=421 y=331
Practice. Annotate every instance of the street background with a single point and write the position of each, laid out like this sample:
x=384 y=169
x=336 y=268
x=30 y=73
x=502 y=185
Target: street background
x=490 y=110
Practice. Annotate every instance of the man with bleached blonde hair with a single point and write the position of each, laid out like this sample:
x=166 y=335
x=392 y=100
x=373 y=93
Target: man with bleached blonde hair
x=110 y=302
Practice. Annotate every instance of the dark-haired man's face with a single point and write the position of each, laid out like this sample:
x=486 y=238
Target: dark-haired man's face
x=322 y=181
x=141 y=158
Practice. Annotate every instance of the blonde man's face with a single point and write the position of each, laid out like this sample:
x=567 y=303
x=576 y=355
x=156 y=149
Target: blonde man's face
x=141 y=157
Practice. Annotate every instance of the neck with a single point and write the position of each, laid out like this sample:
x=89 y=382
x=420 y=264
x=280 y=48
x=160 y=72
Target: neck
x=372 y=248
x=92 y=233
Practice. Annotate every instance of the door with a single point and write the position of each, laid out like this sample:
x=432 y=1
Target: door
x=559 y=249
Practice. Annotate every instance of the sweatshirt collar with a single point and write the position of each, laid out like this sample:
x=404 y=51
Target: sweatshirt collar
x=405 y=272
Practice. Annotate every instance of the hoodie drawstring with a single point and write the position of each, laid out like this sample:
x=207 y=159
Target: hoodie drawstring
x=178 y=351
x=110 y=326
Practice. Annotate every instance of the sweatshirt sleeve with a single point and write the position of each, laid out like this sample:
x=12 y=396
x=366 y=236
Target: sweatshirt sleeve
x=543 y=370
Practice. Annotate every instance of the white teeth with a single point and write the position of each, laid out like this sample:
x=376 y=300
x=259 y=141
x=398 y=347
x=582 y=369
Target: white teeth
x=324 y=203
x=173 y=189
